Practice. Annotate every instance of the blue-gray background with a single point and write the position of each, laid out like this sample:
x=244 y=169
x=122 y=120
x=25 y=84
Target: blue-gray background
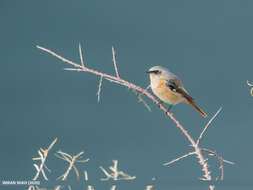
x=208 y=44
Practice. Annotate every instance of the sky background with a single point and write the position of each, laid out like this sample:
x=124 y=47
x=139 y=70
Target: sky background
x=208 y=44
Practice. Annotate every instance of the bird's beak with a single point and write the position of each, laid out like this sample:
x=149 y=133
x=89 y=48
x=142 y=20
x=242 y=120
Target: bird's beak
x=148 y=72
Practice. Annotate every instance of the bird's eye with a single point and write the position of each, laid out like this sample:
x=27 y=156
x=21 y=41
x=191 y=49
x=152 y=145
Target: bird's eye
x=156 y=72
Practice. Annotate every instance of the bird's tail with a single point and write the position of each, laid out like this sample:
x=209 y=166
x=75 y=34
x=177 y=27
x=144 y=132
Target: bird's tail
x=189 y=100
x=197 y=108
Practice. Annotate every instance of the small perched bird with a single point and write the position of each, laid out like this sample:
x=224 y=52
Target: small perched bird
x=168 y=87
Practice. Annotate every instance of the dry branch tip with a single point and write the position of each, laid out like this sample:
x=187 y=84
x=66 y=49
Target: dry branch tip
x=207 y=125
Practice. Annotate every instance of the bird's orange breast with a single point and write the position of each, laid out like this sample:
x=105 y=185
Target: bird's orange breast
x=162 y=91
x=161 y=83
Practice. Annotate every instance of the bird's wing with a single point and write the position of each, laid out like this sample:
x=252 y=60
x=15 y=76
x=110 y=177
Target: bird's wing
x=172 y=84
x=180 y=90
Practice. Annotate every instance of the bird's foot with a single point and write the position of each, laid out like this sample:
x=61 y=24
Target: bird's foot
x=160 y=103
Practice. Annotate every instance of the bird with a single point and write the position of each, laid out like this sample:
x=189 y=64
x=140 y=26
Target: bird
x=169 y=88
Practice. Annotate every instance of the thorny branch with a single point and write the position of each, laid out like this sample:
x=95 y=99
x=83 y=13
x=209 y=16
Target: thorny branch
x=221 y=160
x=116 y=79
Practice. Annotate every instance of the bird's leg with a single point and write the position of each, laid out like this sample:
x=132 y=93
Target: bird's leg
x=169 y=108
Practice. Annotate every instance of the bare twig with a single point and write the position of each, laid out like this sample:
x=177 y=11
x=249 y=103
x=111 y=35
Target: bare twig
x=71 y=160
x=116 y=174
x=114 y=62
x=208 y=123
x=141 y=99
x=72 y=69
x=42 y=157
x=81 y=55
x=139 y=95
x=99 y=88
x=179 y=158
x=85 y=175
